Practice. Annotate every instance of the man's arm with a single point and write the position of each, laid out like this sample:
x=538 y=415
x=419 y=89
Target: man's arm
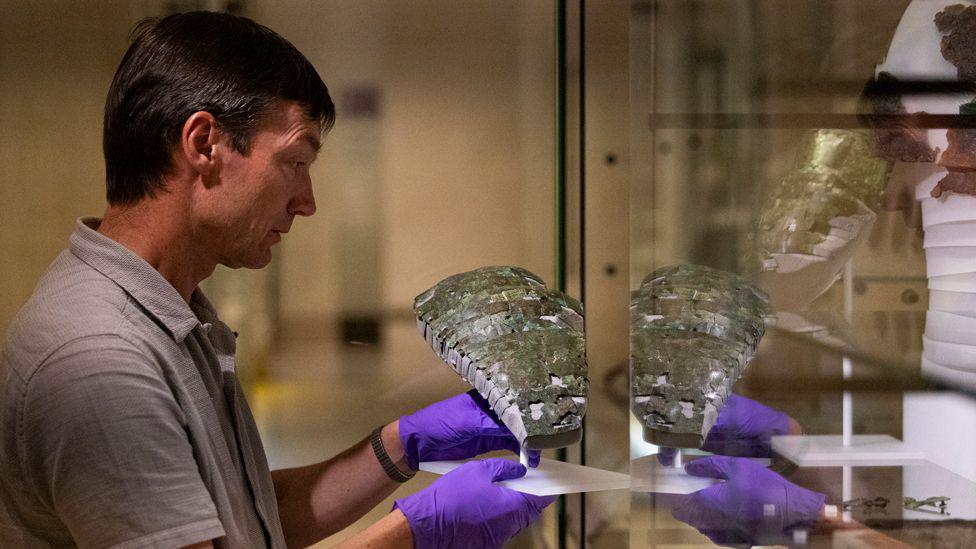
x=105 y=446
x=391 y=532
x=319 y=500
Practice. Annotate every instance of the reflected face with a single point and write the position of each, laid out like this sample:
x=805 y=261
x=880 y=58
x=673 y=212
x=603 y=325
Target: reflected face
x=921 y=61
x=902 y=142
x=256 y=196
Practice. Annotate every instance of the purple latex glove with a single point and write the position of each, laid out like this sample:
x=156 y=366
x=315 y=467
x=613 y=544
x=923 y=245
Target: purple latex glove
x=460 y=427
x=754 y=505
x=743 y=428
x=465 y=509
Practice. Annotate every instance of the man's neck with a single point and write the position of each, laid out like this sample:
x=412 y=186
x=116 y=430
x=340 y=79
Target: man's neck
x=160 y=231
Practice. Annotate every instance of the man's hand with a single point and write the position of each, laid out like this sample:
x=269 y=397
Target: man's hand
x=318 y=500
x=464 y=508
x=460 y=427
x=744 y=429
x=753 y=506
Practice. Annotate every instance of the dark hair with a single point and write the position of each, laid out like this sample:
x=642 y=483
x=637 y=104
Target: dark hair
x=223 y=64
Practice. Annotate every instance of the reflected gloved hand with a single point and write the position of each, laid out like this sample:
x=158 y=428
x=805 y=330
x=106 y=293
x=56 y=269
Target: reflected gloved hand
x=753 y=506
x=460 y=427
x=465 y=509
x=744 y=428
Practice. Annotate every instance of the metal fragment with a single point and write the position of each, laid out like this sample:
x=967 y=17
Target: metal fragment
x=869 y=505
x=835 y=182
x=520 y=344
x=693 y=332
x=937 y=502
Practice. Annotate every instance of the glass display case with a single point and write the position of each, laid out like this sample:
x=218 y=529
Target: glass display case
x=798 y=143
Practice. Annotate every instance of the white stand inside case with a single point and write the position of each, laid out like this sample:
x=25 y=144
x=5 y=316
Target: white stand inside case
x=860 y=450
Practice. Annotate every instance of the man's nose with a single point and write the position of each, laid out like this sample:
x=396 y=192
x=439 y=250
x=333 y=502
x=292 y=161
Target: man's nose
x=304 y=203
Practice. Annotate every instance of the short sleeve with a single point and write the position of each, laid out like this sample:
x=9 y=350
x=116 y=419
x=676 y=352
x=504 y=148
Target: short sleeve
x=104 y=445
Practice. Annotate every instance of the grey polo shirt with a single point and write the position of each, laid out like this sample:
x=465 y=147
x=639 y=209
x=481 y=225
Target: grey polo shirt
x=122 y=422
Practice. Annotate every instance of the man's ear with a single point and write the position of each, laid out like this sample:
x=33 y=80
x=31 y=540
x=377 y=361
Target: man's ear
x=198 y=140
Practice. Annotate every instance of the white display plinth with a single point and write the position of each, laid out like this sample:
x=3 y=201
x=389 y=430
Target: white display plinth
x=830 y=451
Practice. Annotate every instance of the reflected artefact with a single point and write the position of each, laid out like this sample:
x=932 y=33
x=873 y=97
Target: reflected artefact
x=869 y=505
x=938 y=502
x=520 y=344
x=903 y=142
x=817 y=214
x=693 y=332
x=821 y=204
x=959 y=160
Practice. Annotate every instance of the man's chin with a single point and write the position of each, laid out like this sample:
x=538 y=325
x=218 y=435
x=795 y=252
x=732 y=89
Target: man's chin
x=259 y=263
x=256 y=261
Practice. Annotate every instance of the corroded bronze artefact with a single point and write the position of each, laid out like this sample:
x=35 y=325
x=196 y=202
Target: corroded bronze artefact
x=519 y=343
x=693 y=332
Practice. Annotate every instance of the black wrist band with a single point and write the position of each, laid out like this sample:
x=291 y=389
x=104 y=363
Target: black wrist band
x=392 y=471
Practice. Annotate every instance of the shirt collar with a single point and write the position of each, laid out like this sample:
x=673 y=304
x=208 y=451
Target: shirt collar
x=138 y=278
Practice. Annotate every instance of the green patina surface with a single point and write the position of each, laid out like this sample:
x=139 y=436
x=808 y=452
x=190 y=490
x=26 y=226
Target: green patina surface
x=693 y=331
x=519 y=343
x=834 y=174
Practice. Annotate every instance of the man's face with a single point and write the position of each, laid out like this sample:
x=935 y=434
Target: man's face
x=256 y=197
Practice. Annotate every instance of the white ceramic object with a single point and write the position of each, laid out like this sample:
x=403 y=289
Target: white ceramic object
x=962 y=233
x=958 y=303
x=830 y=450
x=950 y=328
x=949 y=208
x=961 y=283
x=550 y=478
x=915 y=54
x=951 y=377
x=950 y=260
x=951 y=355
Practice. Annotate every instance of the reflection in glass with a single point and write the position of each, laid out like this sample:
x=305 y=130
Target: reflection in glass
x=693 y=332
x=813 y=221
x=754 y=118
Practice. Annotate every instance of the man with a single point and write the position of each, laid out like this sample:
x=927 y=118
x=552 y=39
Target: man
x=122 y=423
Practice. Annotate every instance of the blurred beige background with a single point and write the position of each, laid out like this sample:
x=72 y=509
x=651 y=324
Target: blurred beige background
x=448 y=167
